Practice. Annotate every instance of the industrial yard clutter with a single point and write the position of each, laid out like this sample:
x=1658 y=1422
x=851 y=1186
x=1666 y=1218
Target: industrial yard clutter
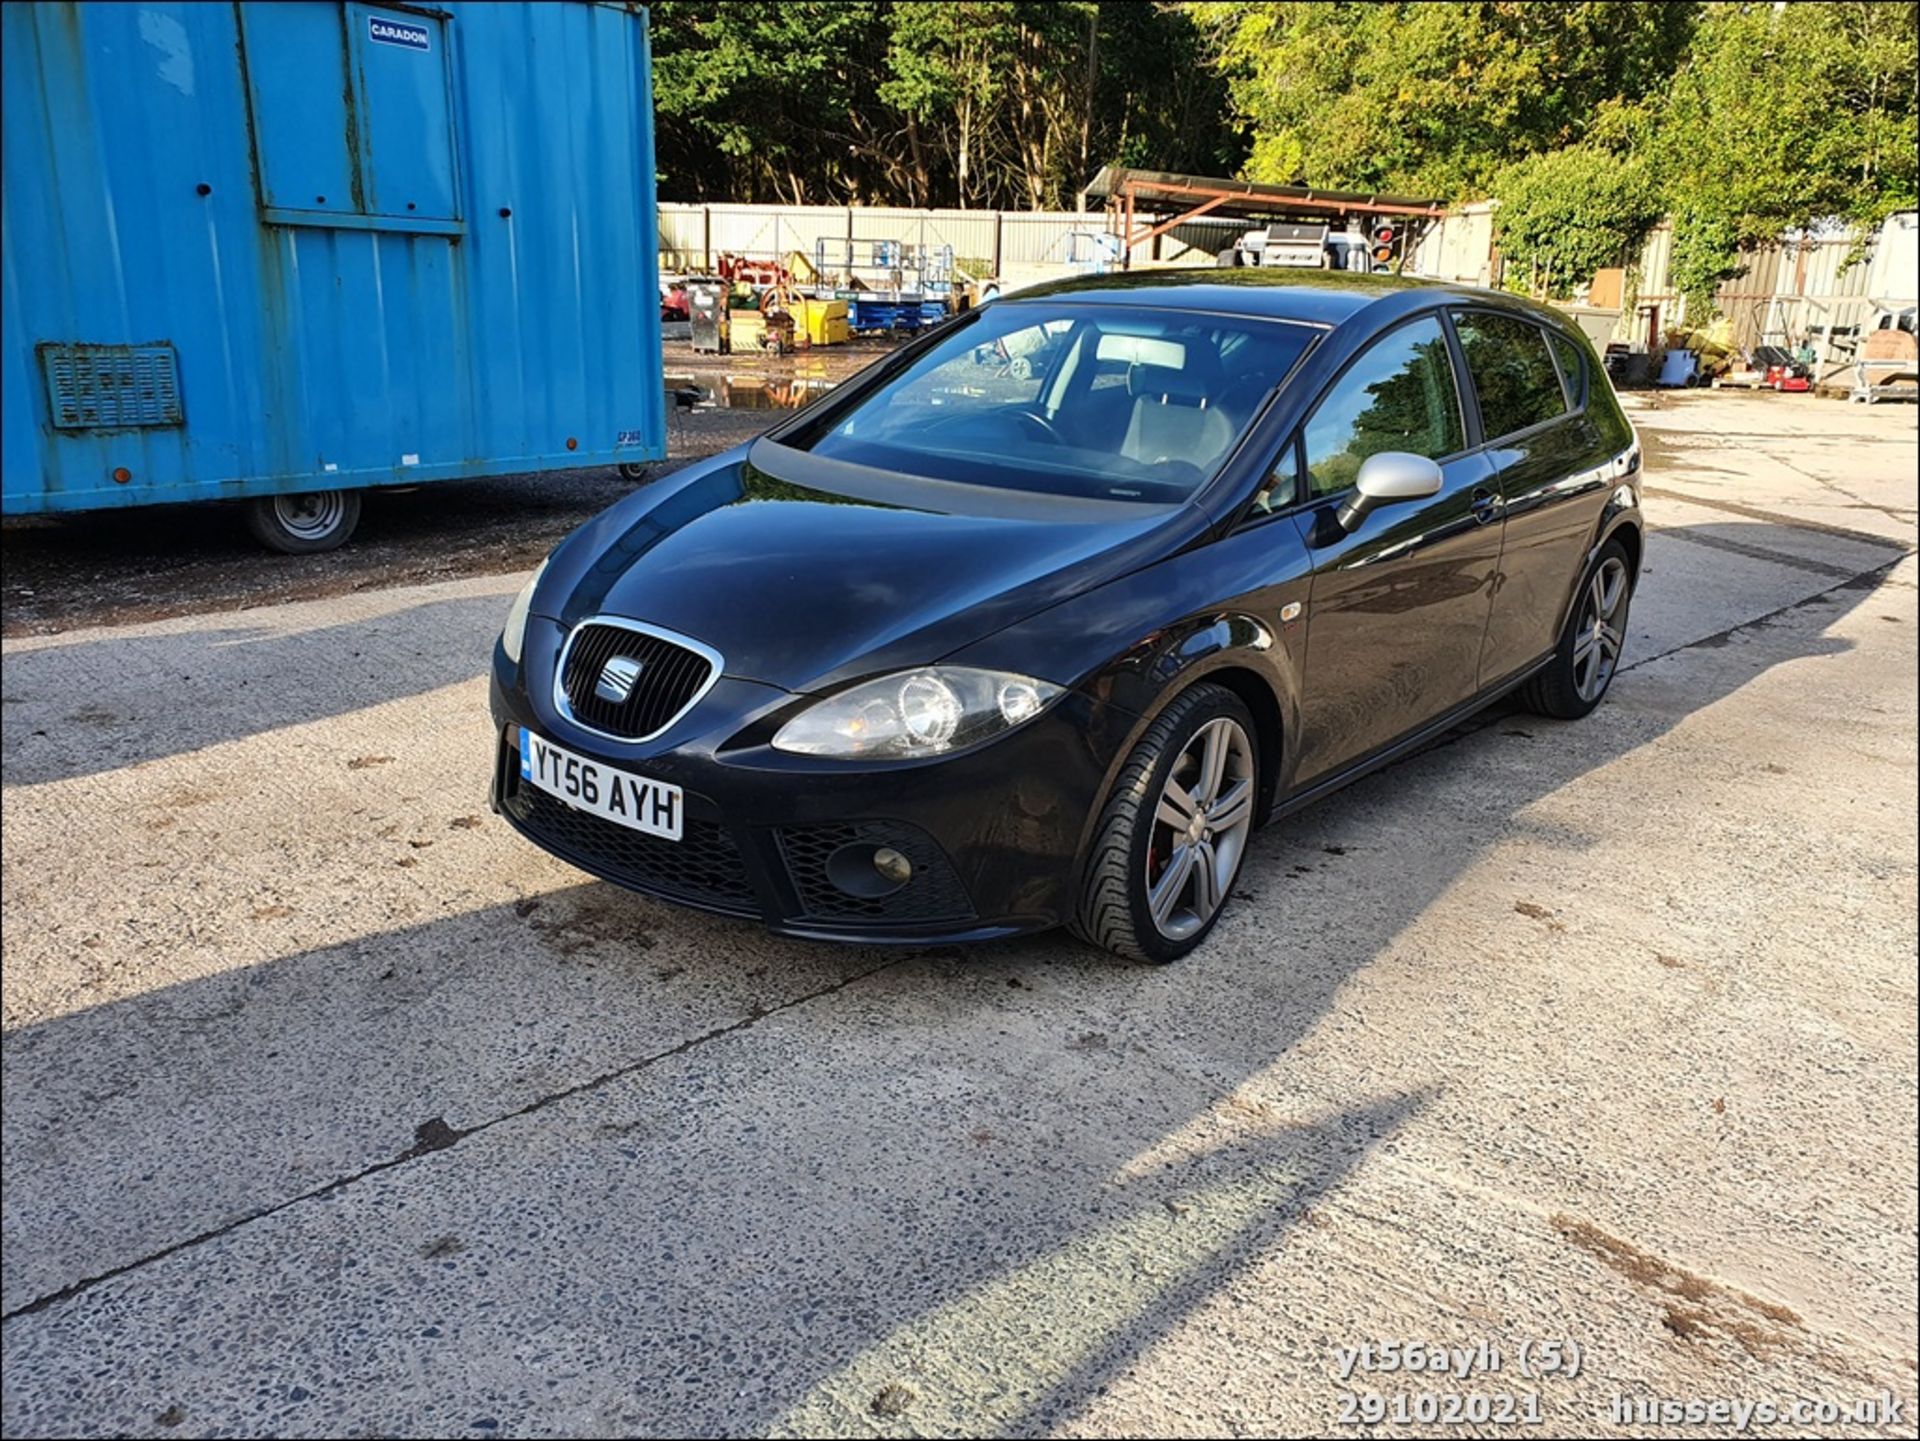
x=1829 y=308
x=280 y=252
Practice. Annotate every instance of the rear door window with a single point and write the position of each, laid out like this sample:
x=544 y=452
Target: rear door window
x=1512 y=372
x=1399 y=395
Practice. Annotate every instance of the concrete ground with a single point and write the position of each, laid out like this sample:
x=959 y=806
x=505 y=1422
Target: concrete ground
x=331 y=1108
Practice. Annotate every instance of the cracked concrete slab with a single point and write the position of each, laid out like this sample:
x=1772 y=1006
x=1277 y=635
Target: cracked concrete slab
x=331 y=1109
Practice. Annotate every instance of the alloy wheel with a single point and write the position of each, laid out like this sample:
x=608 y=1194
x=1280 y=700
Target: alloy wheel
x=1597 y=640
x=1200 y=828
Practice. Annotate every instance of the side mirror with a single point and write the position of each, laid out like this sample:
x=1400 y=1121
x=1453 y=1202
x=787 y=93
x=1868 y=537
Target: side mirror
x=1386 y=478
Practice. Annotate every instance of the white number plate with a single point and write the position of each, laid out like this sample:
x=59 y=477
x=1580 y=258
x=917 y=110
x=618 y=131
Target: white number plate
x=619 y=796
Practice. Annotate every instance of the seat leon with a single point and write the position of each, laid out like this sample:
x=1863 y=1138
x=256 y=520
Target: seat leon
x=1034 y=621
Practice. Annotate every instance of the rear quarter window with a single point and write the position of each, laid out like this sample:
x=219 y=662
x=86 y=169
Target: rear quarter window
x=1513 y=373
x=1573 y=370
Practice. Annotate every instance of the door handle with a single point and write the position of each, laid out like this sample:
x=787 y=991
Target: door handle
x=1486 y=505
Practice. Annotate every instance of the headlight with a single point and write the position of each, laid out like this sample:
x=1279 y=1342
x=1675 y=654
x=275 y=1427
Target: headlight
x=514 y=633
x=915 y=713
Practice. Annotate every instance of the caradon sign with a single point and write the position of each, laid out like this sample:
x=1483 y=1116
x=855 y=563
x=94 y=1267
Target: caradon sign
x=398 y=32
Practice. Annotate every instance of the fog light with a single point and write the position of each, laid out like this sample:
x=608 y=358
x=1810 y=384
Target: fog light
x=867 y=871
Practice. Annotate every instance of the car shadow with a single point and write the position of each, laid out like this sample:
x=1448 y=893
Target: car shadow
x=122 y=566
x=778 y=1167
x=199 y=688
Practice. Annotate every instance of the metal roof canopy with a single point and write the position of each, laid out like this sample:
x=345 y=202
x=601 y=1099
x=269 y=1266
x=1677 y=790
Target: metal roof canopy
x=1124 y=189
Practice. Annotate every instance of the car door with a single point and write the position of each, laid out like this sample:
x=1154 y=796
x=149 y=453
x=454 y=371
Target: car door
x=1398 y=606
x=1550 y=463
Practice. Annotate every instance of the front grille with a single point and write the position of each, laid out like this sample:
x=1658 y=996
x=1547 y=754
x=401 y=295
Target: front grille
x=934 y=893
x=704 y=866
x=671 y=677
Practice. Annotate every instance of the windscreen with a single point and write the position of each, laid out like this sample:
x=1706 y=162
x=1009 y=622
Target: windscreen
x=1094 y=401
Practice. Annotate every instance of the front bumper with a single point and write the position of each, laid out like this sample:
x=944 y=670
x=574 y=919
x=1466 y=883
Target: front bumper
x=993 y=834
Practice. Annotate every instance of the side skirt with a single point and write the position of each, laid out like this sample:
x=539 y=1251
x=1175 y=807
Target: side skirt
x=1412 y=741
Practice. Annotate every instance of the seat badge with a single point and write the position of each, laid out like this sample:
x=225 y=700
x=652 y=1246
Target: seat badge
x=617 y=679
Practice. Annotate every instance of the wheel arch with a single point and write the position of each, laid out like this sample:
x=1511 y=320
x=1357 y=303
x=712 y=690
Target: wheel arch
x=1249 y=672
x=1621 y=520
x=1633 y=539
x=1269 y=727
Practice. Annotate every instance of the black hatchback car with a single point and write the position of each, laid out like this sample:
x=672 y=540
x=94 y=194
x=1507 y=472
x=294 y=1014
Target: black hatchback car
x=1034 y=621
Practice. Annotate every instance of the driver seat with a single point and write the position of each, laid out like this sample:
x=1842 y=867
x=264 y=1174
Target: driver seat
x=1175 y=416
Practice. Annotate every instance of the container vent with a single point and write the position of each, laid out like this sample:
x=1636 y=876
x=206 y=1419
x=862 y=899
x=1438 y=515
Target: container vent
x=112 y=387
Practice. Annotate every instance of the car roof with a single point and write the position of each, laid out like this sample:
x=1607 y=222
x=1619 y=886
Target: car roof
x=1319 y=297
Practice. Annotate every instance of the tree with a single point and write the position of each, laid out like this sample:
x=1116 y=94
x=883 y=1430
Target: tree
x=1564 y=214
x=1158 y=103
x=754 y=100
x=1002 y=92
x=944 y=78
x=1742 y=120
x=976 y=102
x=1430 y=98
x=1048 y=94
x=1783 y=117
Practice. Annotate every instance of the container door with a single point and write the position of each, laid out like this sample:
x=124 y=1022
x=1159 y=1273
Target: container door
x=352 y=115
x=296 y=69
x=403 y=83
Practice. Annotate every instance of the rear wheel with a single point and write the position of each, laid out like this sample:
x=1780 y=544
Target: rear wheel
x=304 y=524
x=1174 y=832
x=1589 y=652
x=634 y=470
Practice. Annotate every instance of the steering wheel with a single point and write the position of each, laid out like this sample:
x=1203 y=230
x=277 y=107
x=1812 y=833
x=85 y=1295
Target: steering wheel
x=1040 y=423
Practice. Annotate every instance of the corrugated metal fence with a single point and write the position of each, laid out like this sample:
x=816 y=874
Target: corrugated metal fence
x=1801 y=290
x=988 y=242
x=1804 y=290
x=1457 y=247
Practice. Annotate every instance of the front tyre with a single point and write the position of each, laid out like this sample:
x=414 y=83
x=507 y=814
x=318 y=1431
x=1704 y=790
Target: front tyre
x=1174 y=832
x=304 y=524
x=1584 y=663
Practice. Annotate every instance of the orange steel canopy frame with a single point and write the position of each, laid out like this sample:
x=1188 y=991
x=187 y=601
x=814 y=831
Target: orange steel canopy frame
x=1125 y=190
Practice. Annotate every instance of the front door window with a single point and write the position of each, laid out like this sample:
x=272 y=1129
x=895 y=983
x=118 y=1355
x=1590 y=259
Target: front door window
x=1399 y=395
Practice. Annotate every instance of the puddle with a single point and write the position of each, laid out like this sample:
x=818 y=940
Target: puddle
x=750 y=392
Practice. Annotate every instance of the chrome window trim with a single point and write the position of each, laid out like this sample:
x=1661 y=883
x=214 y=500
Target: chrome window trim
x=715 y=664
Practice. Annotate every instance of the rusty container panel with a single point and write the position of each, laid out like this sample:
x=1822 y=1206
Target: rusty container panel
x=287 y=246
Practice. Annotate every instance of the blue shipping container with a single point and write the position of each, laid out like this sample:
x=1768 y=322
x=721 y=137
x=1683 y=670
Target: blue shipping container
x=266 y=248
